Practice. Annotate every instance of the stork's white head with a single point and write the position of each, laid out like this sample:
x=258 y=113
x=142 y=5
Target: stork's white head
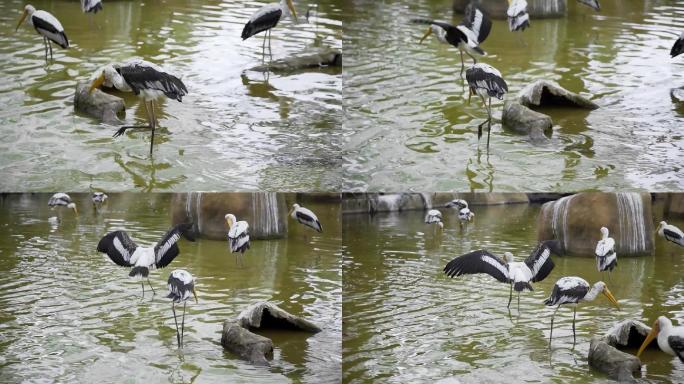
x=107 y=76
x=73 y=206
x=508 y=257
x=293 y=209
x=604 y=232
x=661 y=323
x=28 y=11
x=230 y=219
x=440 y=224
x=661 y=227
x=603 y=288
x=289 y=9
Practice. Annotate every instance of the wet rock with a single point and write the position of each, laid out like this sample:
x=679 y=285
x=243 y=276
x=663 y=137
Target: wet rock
x=616 y=364
x=322 y=57
x=523 y=120
x=536 y=8
x=675 y=205
x=543 y=93
x=266 y=213
x=265 y=315
x=98 y=104
x=627 y=334
x=249 y=346
x=576 y=220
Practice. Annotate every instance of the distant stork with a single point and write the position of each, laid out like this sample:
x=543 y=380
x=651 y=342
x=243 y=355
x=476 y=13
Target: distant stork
x=238 y=235
x=306 y=217
x=519 y=275
x=60 y=200
x=486 y=82
x=266 y=18
x=98 y=199
x=467 y=36
x=678 y=47
x=572 y=290
x=670 y=338
x=91 y=6
x=47 y=26
x=181 y=285
x=606 y=258
x=518 y=18
x=671 y=233
x=126 y=253
x=434 y=217
x=146 y=80
x=592 y=3
x=465 y=215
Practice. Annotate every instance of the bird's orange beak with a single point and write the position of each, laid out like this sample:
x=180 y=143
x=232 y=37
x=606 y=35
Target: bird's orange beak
x=97 y=83
x=652 y=335
x=611 y=298
x=23 y=17
x=292 y=9
x=428 y=33
x=76 y=210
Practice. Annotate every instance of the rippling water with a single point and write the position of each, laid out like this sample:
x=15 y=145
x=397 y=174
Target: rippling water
x=236 y=129
x=404 y=321
x=407 y=125
x=67 y=314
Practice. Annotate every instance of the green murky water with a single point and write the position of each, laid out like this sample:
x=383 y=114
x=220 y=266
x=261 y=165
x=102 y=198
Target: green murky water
x=407 y=125
x=236 y=129
x=404 y=321
x=68 y=314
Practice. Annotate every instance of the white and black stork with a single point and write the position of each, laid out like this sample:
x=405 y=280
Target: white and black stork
x=518 y=18
x=486 y=82
x=670 y=338
x=434 y=216
x=572 y=290
x=123 y=251
x=466 y=36
x=99 y=199
x=181 y=286
x=144 y=79
x=306 y=217
x=238 y=235
x=591 y=3
x=465 y=215
x=61 y=200
x=91 y=6
x=47 y=26
x=606 y=257
x=519 y=275
x=678 y=47
x=671 y=233
x=266 y=18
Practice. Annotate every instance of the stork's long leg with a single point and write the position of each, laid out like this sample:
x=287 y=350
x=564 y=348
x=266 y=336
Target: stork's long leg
x=574 y=316
x=173 y=308
x=489 y=124
x=263 y=48
x=479 y=127
x=142 y=283
x=50 y=45
x=183 y=324
x=270 y=51
x=518 y=302
x=462 y=64
x=510 y=297
x=552 y=317
x=153 y=124
x=122 y=130
x=472 y=57
x=46 y=49
x=151 y=287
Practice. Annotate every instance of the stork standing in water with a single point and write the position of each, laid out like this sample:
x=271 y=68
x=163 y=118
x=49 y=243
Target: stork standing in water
x=467 y=36
x=465 y=215
x=306 y=217
x=573 y=290
x=678 y=47
x=519 y=275
x=606 y=258
x=671 y=233
x=181 y=285
x=518 y=18
x=670 y=338
x=61 y=200
x=126 y=253
x=591 y=3
x=91 y=6
x=99 y=199
x=238 y=236
x=434 y=217
x=146 y=80
x=486 y=82
x=266 y=18
x=47 y=26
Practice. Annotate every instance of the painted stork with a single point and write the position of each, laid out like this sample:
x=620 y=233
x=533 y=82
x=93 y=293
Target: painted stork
x=671 y=233
x=670 y=338
x=519 y=275
x=126 y=253
x=572 y=290
x=61 y=199
x=485 y=81
x=266 y=18
x=591 y=3
x=238 y=235
x=518 y=18
x=47 y=26
x=465 y=215
x=467 y=36
x=99 y=198
x=181 y=285
x=434 y=217
x=91 y=6
x=678 y=47
x=306 y=217
x=144 y=79
x=606 y=258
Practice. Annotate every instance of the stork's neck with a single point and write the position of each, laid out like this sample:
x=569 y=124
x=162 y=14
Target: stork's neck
x=593 y=292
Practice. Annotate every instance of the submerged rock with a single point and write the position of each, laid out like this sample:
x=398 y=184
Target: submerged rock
x=536 y=8
x=521 y=119
x=98 y=104
x=323 y=57
x=265 y=315
x=249 y=346
x=616 y=364
x=545 y=93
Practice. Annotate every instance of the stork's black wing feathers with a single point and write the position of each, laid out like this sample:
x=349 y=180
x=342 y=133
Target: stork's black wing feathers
x=166 y=249
x=39 y=23
x=677 y=48
x=671 y=234
x=480 y=261
x=571 y=295
x=477 y=21
x=539 y=261
x=263 y=23
x=677 y=345
x=145 y=77
x=118 y=246
x=479 y=78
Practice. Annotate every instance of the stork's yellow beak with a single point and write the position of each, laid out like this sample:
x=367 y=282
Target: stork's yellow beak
x=97 y=83
x=229 y=222
x=194 y=293
x=428 y=33
x=611 y=298
x=76 y=211
x=292 y=9
x=23 y=17
x=652 y=335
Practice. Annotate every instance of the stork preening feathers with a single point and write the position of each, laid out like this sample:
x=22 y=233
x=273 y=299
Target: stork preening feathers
x=266 y=18
x=47 y=26
x=144 y=79
x=678 y=47
x=123 y=251
x=606 y=258
x=572 y=290
x=519 y=275
x=434 y=217
x=486 y=82
x=238 y=235
x=91 y=6
x=61 y=200
x=671 y=233
x=306 y=217
x=466 y=36
x=518 y=18
x=670 y=338
x=181 y=285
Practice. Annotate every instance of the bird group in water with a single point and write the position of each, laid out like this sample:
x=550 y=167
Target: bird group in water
x=124 y=252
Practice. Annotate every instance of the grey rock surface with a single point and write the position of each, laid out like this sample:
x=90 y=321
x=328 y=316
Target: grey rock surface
x=265 y=315
x=523 y=120
x=322 y=57
x=249 y=346
x=543 y=93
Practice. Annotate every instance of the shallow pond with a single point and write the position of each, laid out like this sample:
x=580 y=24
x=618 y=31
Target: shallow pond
x=68 y=314
x=407 y=124
x=405 y=321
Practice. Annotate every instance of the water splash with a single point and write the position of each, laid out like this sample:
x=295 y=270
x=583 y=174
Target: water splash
x=559 y=219
x=265 y=213
x=631 y=222
x=194 y=214
x=427 y=200
x=389 y=203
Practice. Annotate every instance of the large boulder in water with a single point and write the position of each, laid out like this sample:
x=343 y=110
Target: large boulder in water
x=576 y=221
x=321 y=57
x=548 y=93
x=266 y=213
x=523 y=120
x=108 y=108
x=536 y=8
x=249 y=346
x=605 y=354
x=265 y=315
